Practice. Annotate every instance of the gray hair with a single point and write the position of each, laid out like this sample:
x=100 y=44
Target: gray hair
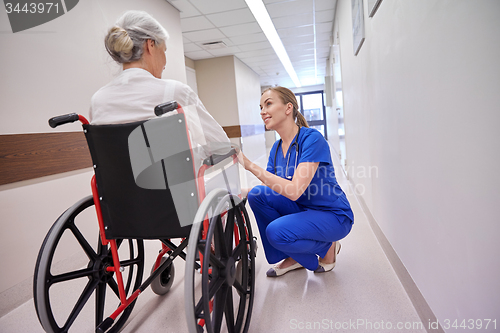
x=124 y=42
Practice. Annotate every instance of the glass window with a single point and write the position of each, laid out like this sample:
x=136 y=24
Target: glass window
x=320 y=128
x=312 y=105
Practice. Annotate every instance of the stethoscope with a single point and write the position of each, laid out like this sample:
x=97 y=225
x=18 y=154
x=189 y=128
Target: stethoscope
x=294 y=143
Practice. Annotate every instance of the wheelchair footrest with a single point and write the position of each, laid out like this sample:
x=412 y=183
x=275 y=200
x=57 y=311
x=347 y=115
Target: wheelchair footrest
x=105 y=325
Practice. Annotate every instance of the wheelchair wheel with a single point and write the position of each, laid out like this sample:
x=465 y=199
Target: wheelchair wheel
x=162 y=284
x=222 y=298
x=58 y=282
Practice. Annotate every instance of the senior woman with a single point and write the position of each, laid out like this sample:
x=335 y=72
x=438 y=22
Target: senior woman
x=138 y=42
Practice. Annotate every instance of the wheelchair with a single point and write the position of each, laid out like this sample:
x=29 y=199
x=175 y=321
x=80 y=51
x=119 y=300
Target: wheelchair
x=139 y=195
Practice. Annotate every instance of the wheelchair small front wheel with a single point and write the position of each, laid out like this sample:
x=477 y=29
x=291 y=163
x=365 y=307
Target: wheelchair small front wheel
x=71 y=283
x=222 y=298
x=162 y=284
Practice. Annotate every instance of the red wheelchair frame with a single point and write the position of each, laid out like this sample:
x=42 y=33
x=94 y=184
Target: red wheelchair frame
x=168 y=247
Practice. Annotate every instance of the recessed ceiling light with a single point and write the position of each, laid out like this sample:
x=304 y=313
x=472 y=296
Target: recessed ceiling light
x=266 y=24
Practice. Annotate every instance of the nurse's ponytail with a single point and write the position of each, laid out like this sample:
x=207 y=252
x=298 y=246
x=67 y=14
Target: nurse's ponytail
x=287 y=96
x=300 y=120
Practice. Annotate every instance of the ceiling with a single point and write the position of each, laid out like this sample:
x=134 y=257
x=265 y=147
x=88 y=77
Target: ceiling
x=304 y=26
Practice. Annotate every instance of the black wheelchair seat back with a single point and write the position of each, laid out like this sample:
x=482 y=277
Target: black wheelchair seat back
x=144 y=171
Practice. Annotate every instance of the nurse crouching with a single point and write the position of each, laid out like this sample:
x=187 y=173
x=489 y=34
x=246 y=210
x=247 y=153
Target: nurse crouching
x=300 y=209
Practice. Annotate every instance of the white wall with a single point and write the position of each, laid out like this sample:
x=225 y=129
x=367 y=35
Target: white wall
x=230 y=91
x=216 y=82
x=191 y=79
x=191 y=74
x=248 y=92
x=332 y=114
x=56 y=67
x=421 y=103
x=49 y=70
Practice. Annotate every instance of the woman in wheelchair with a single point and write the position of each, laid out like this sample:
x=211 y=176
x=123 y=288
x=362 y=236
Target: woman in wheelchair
x=300 y=209
x=138 y=42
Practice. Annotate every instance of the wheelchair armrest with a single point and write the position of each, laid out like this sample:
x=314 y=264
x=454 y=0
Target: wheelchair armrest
x=165 y=107
x=214 y=159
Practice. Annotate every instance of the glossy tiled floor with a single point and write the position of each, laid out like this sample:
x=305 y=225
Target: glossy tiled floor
x=362 y=294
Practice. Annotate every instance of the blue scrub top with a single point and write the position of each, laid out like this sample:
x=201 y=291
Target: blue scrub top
x=323 y=193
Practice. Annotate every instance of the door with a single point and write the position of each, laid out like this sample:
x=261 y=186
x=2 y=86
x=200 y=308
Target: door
x=312 y=106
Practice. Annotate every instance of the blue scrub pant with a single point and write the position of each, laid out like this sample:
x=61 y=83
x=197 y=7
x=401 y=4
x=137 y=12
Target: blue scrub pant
x=289 y=230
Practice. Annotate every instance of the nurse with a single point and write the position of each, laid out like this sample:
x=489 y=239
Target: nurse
x=300 y=209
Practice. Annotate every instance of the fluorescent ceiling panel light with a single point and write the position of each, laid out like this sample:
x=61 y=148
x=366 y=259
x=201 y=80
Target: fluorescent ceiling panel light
x=266 y=24
x=315 y=54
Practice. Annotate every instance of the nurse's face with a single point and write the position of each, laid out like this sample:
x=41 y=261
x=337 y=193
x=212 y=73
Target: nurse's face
x=272 y=109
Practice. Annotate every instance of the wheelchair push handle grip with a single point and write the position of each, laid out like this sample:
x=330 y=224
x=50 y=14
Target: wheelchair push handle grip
x=165 y=107
x=215 y=159
x=65 y=119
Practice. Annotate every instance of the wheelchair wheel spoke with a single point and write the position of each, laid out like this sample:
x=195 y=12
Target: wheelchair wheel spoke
x=239 y=288
x=100 y=297
x=216 y=261
x=198 y=309
x=114 y=286
x=129 y=280
x=131 y=271
x=220 y=302
x=219 y=238
x=126 y=263
x=229 y=312
x=229 y=232
x=238 y=250
x=202 y=243
x=214 y=287
x=89 y=251
x=84 y=297
x=71 y=276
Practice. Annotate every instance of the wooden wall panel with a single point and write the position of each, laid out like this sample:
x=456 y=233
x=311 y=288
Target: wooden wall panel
x=28 y=156
x=232 y=131
x=244 y=130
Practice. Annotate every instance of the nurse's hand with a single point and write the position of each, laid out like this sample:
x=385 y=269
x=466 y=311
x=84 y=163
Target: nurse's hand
x=242 y=159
